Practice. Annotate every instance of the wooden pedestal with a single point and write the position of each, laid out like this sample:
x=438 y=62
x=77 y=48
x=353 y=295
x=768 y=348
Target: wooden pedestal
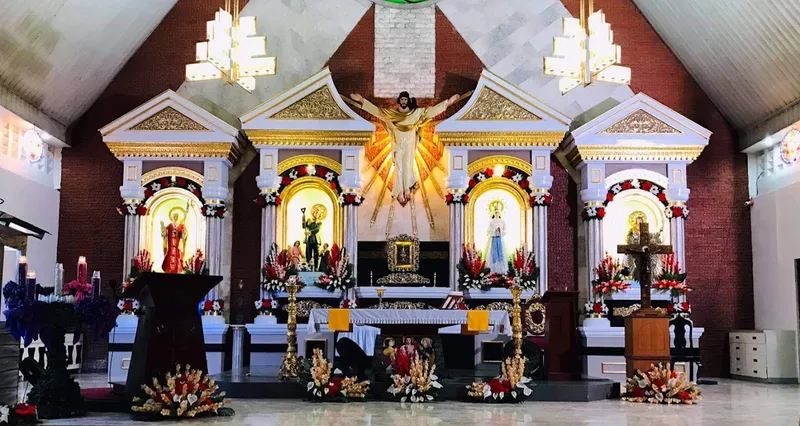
x=646 y=340
x=562 y=358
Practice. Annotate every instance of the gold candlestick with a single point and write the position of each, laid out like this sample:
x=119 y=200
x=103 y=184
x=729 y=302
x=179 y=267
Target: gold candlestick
x=516 y=321
x=290 y=365
x=380 y=297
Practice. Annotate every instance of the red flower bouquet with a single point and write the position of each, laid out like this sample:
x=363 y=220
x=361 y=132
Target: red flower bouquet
x=472 y=270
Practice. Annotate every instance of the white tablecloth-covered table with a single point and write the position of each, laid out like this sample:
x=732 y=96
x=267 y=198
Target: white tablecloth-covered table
x=363 y=320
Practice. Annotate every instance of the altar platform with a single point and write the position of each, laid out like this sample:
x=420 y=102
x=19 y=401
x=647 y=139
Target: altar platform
x=263 y=383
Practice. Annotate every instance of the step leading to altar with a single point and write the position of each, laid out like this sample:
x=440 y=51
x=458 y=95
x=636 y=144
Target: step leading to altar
x=120 y=345
x=604 y=351
x=437 y=293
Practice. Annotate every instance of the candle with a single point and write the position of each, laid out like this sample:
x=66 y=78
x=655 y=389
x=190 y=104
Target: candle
x=82 y=270
x=95 y=284
x=59 y=279
x=30 y=285
x=22 y=271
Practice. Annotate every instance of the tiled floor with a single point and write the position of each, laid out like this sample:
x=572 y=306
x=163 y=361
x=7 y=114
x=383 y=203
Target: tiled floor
x=731 y=403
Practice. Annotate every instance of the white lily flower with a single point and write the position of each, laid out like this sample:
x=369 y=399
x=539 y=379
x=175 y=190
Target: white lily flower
x=192 y=398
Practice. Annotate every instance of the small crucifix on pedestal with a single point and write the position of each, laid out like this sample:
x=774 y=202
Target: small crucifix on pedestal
x=641 y=253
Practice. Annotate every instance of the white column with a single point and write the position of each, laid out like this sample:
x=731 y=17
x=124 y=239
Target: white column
x=132 y=193
x=215 y=192
x=541 y=181
x=268 y=182
x=456 y=182
x=350 y=180
x=678 y=196
x=593 y=194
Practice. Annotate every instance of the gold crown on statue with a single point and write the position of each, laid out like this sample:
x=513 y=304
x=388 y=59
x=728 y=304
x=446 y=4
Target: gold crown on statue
x=496 y=205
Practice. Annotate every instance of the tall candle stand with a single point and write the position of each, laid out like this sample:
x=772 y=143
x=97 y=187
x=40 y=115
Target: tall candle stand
x=516 y=321
x=290 y=365
x=380 y=296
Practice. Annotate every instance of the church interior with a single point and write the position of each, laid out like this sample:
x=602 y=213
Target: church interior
x=216 y=208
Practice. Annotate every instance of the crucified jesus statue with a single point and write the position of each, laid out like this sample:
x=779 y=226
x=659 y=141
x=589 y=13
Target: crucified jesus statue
x=403 y=125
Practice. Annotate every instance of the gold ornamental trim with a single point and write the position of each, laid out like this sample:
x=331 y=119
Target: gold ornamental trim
x=492 y=106
x=496 y=306
x=513 y=139
x=172 y=171
x=630 y=153
x=304 y=307
x=304 y=159
x=174 y=149
x=533 y=306
x=640 y=121
x=503 y=160
x=303 y=138
x=170 y=119
x=626 y=312
x=318 y=105
x=404 y=304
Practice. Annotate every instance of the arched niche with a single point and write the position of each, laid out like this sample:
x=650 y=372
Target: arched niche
x=622 y=211
x=516 y=214
x=158 y=208
x=306 y=192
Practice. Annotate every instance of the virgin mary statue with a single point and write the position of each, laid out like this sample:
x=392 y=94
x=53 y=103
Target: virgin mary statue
x=497 y=258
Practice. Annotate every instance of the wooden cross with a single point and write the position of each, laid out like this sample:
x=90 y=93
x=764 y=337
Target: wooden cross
x=641 y=254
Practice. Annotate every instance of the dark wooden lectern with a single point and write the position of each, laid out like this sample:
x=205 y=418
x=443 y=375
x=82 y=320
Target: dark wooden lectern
x=562 y=357
x=170 y=332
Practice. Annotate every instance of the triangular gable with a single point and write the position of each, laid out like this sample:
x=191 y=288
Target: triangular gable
x=313 y=105
x=641 y=118
x=498 y=106
x=169 y=117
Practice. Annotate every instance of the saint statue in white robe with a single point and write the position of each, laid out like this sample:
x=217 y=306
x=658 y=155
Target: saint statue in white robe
x=496 y=255
x=403 y=125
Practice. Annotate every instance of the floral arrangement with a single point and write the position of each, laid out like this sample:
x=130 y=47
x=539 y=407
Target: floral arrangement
x=266 y=306
x=277 y=270
x=350 y=199
x=544 y=200
x=645 y=185
x=213 y=210
x=679 y=308
x=152 y=187
x=20 y=414
x=186 y=394
x=128 y=306
x=132 y=209
x=196 y=265
x=339 y=275
x=294 y=173
x=671 y=279
x=661 y=385
x=510 y=386
x=414 y=380
x=496 y=280
x=610 y=278
x=472 y=270
x=139 y=264
x=77 y=289
x=523 y=269
x=512 y=173
x=456 y=198
x=596 y=307
x=213 y=307
x=268 y=199
x=323 y=386
x=677 y=211
x=304 y=267
x=593 y=212
x=349 y=304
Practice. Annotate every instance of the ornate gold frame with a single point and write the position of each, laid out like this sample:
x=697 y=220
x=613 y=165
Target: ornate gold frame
x=311 y=182
x=532 y=307
x=496 y=183
x=392 y=245
x=317 y=160
x=503 y=160
x=493 y=139
x=172 y=171
x=296 y=138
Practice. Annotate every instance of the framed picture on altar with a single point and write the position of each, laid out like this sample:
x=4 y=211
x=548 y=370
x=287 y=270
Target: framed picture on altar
x=403 y=253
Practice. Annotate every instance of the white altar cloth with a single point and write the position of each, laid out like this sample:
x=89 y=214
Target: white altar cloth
x=499 y=321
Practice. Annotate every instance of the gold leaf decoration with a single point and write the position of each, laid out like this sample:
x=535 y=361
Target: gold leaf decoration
x=169 y=119
x=318 y=105
x=491 y=106
x=640 y=121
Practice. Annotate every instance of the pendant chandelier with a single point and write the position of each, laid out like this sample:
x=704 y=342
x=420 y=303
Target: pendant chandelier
x=233 y=52
x=586 y=52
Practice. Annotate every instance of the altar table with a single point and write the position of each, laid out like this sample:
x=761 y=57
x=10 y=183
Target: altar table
x=499 y=321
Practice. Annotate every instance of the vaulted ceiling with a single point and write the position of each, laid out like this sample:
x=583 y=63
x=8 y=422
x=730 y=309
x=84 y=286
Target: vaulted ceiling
x=57 y=56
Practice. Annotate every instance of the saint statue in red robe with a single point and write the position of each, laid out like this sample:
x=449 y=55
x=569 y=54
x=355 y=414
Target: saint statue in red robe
x=174 y=236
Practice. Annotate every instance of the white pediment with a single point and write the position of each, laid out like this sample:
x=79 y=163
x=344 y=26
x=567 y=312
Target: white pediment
x=641 y=121
x=169 y=117
x=312 y=105
x=498 y=106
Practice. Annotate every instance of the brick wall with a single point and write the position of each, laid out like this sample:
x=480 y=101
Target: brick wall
x=405 y=51
x=718 y=233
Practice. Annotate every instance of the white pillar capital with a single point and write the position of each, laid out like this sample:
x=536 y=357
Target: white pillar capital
x=541 y=180
x=677 y=191
x=458 y=162
x=268 y=179
x=215 y=181
x=350 y=178
x=132 y=188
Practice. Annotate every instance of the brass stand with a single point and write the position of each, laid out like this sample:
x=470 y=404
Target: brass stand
x=516 y=321
x=290 y=365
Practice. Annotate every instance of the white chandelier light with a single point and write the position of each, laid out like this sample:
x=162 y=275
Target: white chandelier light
x=586 y=52
x=233 y=52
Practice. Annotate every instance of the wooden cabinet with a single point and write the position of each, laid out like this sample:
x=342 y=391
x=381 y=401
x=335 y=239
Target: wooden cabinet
x=768 y=355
